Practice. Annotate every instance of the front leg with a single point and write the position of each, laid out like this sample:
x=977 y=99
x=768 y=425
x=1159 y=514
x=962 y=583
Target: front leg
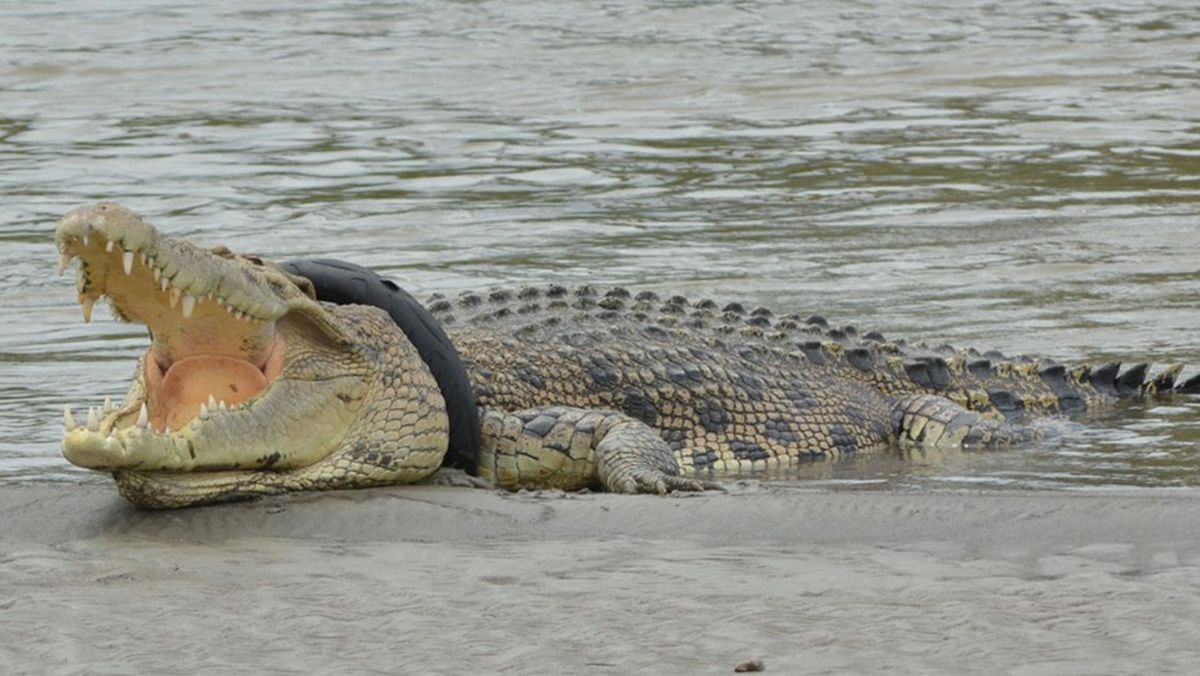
x=574 y=448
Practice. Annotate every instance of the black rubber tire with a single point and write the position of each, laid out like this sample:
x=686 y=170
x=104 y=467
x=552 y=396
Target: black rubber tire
x=345 y=283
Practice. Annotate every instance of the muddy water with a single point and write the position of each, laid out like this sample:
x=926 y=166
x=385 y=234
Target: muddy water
x=1022 y=176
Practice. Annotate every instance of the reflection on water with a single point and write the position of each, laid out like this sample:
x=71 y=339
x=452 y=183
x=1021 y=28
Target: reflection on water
x=1017 y=175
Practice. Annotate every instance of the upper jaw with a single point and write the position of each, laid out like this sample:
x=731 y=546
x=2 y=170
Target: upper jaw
x=150 y=278
x=114 y=243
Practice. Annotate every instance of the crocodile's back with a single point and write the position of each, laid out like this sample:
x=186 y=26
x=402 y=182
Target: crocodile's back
x=718 y=400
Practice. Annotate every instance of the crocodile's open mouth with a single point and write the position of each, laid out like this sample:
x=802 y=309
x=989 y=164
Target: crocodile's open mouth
x=206 y=351
x=219 y=325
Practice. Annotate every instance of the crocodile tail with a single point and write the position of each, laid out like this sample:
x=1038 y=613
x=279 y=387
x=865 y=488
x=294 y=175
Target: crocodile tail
x=986 y=381
x=1024 y=384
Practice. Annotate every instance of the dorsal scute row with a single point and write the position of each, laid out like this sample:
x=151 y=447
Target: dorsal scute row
x=1006 y=384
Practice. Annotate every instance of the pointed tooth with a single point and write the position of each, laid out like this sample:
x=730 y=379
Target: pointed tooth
x=108 y=246
x=189 y=305
x=64 y=259
x=203 y=412
x=143 y=417
x=212 y=403
x=157 y=273
x=108 y=405
x=239 y=316
x=175 y=293
x=68 y=419
x=127 y=261
x=223 y=407
x=143 y=259
x=92 y=423
x=86 y=239
x=87 y=303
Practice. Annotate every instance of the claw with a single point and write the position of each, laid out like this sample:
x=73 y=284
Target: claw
x=678 y=483
x=657 y=481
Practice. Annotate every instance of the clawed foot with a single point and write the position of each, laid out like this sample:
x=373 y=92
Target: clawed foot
x=633 y=458
x=655 y=481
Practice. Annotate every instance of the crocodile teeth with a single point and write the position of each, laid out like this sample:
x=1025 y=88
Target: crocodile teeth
x=87 y=303
x=86 y=238
x=143 y=417
x=158 y=274
x=189 y=305
x=68 y=419
x=127 y=261
x=223 y=408
x=212 y=403
x=203 y=412
x=174 y=294
x=93 y=423
x=64 y=259
x=108 y=405
x=142 y=257
x=108 y=246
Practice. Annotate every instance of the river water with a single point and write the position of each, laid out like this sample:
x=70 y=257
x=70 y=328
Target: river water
x=1014 y=175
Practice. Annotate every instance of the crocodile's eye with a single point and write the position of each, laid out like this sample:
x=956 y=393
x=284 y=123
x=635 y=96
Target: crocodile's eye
x=254 y=259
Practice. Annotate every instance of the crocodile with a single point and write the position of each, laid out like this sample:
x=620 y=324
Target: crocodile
x=253 y=385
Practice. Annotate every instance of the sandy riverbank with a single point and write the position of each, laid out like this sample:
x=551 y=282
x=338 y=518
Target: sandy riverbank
x=437 y=578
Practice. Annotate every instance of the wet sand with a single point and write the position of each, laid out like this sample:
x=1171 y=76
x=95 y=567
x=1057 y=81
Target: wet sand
x=452 y=579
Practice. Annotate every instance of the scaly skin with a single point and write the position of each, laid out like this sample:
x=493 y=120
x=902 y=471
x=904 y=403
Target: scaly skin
x=575 y=389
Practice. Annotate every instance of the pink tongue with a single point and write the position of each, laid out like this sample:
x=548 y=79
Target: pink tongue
x=189 y=382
